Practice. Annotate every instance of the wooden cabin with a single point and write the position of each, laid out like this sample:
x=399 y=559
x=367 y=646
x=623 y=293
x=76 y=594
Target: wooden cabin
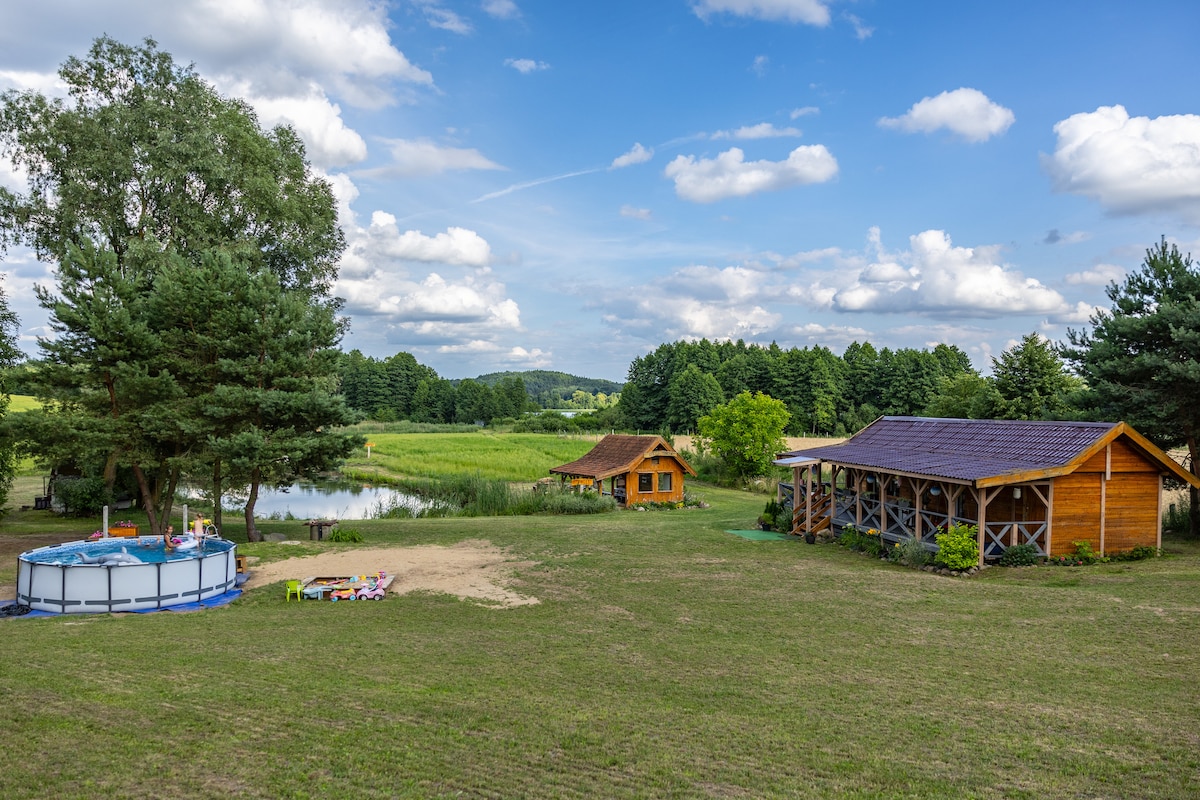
x=638 y=469
x=1047 y=484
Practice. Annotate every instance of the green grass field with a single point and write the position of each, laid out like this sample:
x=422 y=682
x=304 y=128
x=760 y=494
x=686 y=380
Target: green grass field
x=666 y=658
x=517 y=457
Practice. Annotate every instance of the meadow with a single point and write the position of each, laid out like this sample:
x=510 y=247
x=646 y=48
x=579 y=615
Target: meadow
x=666 y=658
x=516 y=457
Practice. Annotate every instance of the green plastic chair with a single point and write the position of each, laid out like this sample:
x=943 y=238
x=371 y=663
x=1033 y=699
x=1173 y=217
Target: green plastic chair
x=293 y=587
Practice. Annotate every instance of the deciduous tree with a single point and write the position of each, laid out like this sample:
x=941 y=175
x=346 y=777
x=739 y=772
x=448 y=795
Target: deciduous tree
x=746 y=433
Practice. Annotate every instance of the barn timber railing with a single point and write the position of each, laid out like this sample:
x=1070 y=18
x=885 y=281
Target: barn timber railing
x=998 y=536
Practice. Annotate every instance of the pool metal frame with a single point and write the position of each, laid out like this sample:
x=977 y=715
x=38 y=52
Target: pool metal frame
x=124 y=587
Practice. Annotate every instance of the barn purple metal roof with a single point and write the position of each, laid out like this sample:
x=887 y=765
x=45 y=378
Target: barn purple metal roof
x=963 y=449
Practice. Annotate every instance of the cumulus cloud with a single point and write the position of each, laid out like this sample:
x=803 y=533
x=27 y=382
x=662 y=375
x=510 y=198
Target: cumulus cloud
x=47 y=83
x=1099 y=275
x=836 y=336
x=730 y=175
x=455 y=246
x=328 y=142
x=636 y=155
x=935 y=277
x=808 y=12
x=1130 y=165
x=711 y=302
x=965 y=112
x=420 y=157
x=763 y=130
x=281 y=47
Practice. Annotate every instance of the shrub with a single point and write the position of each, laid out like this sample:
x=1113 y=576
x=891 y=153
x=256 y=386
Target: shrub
x=1139 y=553
x=83 y=497
x=344 y=535
x=913 y=553
x=1019 y=555
x=872 y=543
x=850 y=538
x=958 y=547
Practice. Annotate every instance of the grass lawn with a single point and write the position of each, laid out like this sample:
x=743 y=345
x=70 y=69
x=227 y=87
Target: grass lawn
x=666 y=659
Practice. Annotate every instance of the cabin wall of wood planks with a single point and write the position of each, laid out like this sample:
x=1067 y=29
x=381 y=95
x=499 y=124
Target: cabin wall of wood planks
x=655 y=466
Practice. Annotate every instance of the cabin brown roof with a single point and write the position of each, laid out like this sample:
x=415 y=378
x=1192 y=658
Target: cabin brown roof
x=619 y=453
x=983 y=451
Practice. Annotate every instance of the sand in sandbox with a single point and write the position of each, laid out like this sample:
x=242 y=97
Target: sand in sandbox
x=473 y=570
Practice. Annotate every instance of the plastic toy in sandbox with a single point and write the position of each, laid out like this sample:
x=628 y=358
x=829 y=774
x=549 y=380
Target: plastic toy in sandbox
x=353 y=587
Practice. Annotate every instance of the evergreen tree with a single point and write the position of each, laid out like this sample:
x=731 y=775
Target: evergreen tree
x=1141 y=360
x=1032 y=381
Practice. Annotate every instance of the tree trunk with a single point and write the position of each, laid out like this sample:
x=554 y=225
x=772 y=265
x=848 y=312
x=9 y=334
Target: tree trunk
x=252 y=534
x=148 y=501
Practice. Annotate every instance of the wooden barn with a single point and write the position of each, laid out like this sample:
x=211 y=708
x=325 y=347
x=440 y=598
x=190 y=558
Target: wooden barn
x=1048 y=484
x=638 y=469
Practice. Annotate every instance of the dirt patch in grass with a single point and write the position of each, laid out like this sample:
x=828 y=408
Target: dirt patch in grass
x=472 y=570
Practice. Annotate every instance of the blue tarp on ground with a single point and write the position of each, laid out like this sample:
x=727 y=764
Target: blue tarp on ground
x=212 y=602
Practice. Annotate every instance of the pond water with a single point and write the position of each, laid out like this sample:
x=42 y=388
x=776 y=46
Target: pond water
x=325 y=500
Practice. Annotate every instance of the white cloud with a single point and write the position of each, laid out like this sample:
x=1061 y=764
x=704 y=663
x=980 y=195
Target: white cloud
x=804 y=112
x=862 y=31
x=455 y=246
x=763 y=130
x=935 y=277
x=534 y=358
x=501 y=9
x=966 y=112
x=809 y=12
x=729 y=175
x=443 y=18
x=413 y=157
x=525 y=65
x=328 y=142
x=759 y=67
x=48 y=83
x=636 y=155
x=1130 y=165
x=719 y=304
x=282 y=46
x=633 y=212
x=836 y=336
x=1099 y=275
x=11 y=176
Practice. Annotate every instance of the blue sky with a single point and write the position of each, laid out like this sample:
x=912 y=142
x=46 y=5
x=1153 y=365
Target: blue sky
x=566 y=184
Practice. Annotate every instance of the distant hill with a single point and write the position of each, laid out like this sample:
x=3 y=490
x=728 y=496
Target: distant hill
x=543 y=384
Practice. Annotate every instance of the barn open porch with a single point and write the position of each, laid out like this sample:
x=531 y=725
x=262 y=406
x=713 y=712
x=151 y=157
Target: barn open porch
x=826 y=496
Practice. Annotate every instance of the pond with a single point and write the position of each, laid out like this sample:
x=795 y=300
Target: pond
x=323 y=500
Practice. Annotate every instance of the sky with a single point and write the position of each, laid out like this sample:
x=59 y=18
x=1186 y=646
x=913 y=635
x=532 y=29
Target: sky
x=565 y=185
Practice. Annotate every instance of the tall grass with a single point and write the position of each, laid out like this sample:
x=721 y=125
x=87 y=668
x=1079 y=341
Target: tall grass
x=477 y=496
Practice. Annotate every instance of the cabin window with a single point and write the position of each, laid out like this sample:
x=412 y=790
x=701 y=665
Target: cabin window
x=664 y=481
x=645 y=482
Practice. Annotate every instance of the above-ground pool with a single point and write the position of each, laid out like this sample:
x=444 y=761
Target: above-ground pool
x=123 y=574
